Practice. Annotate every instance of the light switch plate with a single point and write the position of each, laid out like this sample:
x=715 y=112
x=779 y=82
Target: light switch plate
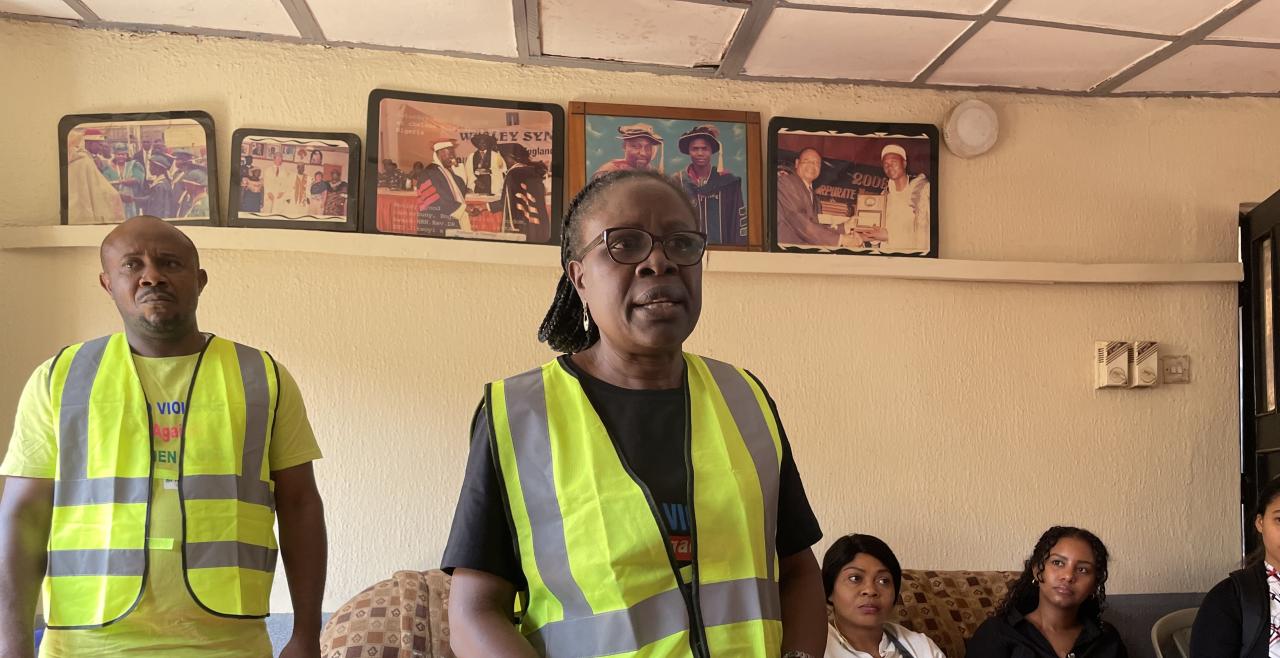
x=1175 y=369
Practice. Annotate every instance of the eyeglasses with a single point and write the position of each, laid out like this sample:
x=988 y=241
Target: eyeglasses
x=631 y=246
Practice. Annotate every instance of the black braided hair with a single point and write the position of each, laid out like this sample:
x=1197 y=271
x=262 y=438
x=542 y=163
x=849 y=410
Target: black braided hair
x=562 y=327
x=1024 y=594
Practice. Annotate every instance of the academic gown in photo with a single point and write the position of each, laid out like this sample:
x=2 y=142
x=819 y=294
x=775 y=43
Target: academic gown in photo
x=719 y=204
x=160 y=199
x=524 y=201
x=437 y=201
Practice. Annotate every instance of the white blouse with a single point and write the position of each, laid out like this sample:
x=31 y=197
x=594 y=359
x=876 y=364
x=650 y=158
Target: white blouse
x=918 y=644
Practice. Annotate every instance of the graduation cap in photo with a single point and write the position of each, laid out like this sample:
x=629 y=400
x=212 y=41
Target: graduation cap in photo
x=708 y=132
x=642 y=131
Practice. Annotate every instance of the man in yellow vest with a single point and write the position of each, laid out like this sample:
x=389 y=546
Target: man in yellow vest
x=145 y=474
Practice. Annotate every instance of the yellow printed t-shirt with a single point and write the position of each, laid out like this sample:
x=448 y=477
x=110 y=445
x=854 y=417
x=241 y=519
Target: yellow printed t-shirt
x=167 y=620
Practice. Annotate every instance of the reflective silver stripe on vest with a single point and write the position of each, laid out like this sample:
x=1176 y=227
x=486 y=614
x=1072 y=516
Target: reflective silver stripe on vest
x=530 y=437
x=228 y=487
x=248 y=486
x=657 y=617
x=751 y=423
x=96 y=562
x=257 y=400
x=71 y=493
x=214 y=554
x=73 y=416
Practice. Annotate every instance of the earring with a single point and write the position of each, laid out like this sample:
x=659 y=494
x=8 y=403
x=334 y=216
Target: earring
x=586 y=319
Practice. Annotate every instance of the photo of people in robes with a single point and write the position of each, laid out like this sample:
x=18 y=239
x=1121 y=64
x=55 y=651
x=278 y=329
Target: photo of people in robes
x=864 y=193
x=120 y=169
x=286 y=178
x=707 y=159
x=464 y=171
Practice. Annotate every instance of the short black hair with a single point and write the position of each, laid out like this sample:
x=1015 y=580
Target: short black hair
x=846 y=548
x=562 y=327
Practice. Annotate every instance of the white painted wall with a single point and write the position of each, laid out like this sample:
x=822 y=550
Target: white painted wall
x=956 y=420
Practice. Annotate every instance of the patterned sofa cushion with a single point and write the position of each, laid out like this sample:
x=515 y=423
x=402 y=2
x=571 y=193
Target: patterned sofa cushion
x=404 y=616
x=948 y=606
x=407 y=615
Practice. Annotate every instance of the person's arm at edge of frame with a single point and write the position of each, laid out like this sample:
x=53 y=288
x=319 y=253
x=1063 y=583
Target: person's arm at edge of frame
x=480 y=606
x=26 y=510
x=304 y=547
x=804 y=607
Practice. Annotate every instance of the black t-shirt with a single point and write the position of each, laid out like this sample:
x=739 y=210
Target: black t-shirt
x=649 y=428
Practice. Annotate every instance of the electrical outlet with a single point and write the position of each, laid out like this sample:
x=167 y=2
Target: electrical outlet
x=1175 y=369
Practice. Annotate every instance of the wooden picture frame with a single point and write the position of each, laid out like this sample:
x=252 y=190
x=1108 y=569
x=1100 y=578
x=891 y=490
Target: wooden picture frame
x=96 y=188
x=520 y=203
x=262 y=198
x=829 y=186
x=599 y=132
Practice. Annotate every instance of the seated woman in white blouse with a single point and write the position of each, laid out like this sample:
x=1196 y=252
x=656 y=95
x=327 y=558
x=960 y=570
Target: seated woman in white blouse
x=862 y=577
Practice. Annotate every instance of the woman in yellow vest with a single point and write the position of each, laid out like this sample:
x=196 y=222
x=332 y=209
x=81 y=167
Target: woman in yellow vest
x=639 y=500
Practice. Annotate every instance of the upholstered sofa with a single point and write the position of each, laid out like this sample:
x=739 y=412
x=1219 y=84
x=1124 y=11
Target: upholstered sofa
x=948 y=606
x=407 y=615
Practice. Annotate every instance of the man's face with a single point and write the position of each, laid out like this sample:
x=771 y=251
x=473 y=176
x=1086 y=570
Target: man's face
x=700 y=150
x=638 y=152
x=153 y=275
x=157 y=169
x=94 y=147
x=894 y=166
x=446 y=154
x=146 y=145
x=335 y=177
x=809 y=165
x=279 y=159
x=119 y=157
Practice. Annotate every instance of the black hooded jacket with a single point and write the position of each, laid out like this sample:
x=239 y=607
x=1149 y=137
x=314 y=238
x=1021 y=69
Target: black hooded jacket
x=1012 y=636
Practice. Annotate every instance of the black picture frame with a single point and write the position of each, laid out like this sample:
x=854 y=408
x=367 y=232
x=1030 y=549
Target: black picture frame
x=416 y=209
x=291 y=144
x=88 y=191
x=852 y=170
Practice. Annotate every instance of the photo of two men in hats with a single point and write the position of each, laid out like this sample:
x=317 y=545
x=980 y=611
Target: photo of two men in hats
x=708 y=159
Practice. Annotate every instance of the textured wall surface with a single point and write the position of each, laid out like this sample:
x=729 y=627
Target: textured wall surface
x=955 y=420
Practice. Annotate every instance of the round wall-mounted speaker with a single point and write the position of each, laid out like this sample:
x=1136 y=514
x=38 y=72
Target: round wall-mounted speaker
x=971 y=129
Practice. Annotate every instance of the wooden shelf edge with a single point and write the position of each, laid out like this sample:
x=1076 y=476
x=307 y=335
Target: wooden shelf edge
x=497 y=253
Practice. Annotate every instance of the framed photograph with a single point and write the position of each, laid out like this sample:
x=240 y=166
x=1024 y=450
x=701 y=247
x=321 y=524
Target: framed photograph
x=117 y=166
x=287 y=179
x=713 y=154
x=853 y=187
x=463 y=168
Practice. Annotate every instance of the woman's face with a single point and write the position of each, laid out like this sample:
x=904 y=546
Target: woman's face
x=650 y=307
x=1269 y=526
x=863 y=594
x=1069 y=575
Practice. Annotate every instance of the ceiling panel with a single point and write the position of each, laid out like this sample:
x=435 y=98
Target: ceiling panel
x=1213 y=69
x=648 y=31
x=969 y=7
x=1011 y=55
x=266 y=16
x=1260 y=22
x=485 y=27
x=1153 y=16
x=822 y=44
x=50 y=8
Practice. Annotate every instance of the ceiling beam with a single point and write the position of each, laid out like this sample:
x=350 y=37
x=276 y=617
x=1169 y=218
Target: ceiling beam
x=1189 y=38
x=744 y=39
x=528 y=28
x=85 y=12
x=1085 y=28
x=304 y=19
x=958 y=43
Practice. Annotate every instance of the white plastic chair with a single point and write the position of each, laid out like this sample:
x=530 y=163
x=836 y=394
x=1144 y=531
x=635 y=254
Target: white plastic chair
x=1171 y=634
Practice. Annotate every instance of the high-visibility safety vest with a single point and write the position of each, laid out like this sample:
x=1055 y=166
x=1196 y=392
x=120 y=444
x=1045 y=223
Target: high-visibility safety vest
x=97 y=554
x=603 y=580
